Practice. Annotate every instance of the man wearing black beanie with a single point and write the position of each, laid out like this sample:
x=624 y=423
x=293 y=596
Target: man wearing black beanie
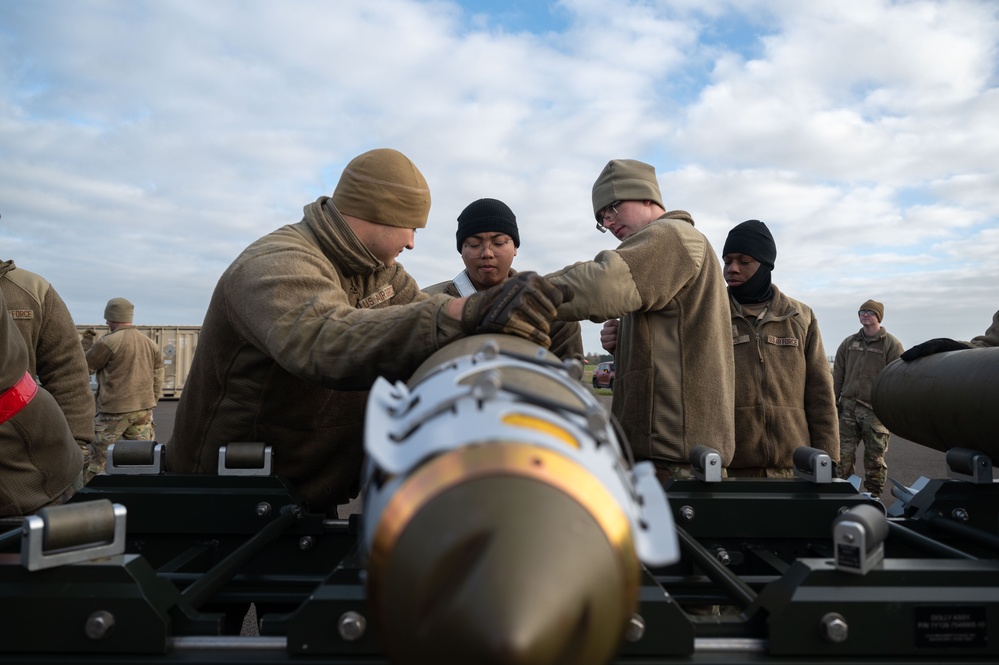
x=783 y=383
x=487 y=239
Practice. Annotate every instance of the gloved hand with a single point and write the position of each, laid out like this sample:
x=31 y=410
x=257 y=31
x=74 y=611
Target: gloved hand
x=936 y=345
x=523 y=305
x=87 y=339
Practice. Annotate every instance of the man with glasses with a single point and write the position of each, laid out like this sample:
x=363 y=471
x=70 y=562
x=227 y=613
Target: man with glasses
x=488 y=238
x=859 y=359
x=675 y=374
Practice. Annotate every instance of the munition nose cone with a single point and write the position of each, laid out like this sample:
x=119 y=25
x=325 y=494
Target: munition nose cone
x=504 y=569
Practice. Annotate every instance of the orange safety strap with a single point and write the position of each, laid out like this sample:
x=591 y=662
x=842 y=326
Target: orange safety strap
x=17 y=397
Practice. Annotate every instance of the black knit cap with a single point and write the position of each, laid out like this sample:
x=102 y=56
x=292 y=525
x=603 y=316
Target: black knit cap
x=487 y=216
x=752 y=237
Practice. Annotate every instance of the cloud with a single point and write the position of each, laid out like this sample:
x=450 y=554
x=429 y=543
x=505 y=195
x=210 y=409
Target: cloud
x=145 y=144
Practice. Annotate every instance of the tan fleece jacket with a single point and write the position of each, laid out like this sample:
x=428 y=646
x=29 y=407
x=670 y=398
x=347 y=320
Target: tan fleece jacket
x=40 y=458
x=54 y=352
x=129 y=369
x=675 y=374
x=783 y=386
x=297 y=330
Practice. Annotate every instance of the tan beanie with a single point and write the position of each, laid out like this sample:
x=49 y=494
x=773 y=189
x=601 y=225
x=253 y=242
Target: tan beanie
x=383 y=186
x=119 y=310
x=626 y=180
x=875 y=307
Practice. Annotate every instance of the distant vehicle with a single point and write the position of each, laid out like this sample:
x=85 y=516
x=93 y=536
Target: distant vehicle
x=603 y=376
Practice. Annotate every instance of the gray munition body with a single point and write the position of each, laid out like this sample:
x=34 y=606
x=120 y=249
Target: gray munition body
x=943 y=401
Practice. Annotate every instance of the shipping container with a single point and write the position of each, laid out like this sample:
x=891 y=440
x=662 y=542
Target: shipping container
x=177 y=344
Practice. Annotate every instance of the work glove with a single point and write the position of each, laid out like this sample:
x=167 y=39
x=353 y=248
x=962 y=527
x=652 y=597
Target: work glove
x=87 y=338
x=523 y=305
x=929 y=347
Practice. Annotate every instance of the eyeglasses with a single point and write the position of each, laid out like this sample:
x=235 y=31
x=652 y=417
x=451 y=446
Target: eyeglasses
x=606 y=216
x=867 y=312
x=476 y=249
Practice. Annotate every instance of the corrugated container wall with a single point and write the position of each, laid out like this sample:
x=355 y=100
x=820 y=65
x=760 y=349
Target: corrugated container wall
x=177 y=344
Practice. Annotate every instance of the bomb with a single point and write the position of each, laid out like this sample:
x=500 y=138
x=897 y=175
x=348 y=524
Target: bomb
x=942 y=401
x=503 y=519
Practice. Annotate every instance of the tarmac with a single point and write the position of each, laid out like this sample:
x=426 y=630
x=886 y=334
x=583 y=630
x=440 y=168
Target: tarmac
x=907 y=461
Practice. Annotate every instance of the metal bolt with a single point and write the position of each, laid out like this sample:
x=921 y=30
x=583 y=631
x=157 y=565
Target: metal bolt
x=849 y=537
x=834 y=628
x=263 y=509
x=723 y=556
x=306 y=542
x=960 y=514
x=636 y=628
x=686 y=513
x=351 y=626
x=99 y=625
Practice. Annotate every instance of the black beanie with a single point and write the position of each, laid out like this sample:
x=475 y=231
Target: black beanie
x=752 y=237
x=487 y=216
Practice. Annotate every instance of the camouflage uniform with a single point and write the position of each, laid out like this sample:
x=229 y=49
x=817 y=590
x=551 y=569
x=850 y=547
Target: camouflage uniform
x=858 y=425
x=676 y=471
x=858 y=362
x=110 y=427
x=129 y=370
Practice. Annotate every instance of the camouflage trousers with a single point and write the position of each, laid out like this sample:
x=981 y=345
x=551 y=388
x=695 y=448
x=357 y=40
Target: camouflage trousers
x=858 y=425
x=675 y=470
x=109 y=428
x=670 y=470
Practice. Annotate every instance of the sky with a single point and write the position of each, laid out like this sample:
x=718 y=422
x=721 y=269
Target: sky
x=145 y=144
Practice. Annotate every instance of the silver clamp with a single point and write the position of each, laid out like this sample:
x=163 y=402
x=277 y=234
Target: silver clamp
x=859 y=539
x=812 y=464
x=706 y=464
x=72 y=533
